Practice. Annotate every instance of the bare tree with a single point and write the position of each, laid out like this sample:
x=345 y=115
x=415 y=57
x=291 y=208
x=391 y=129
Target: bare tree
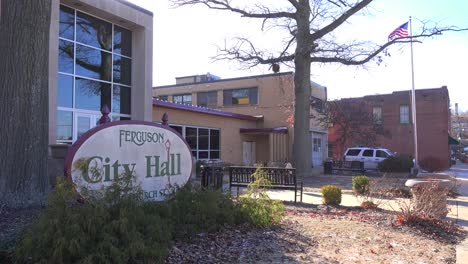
x=24 y=53
x=351 y=122
x=309 y=25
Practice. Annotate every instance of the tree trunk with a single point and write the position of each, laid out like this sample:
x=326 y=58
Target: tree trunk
x=302 y=150
x=24 y=53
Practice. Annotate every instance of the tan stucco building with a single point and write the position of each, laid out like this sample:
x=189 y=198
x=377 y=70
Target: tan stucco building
x=240 y=120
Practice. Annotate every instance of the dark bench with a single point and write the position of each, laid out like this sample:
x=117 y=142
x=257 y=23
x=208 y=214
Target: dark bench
x=279 y=178
x=341 y=165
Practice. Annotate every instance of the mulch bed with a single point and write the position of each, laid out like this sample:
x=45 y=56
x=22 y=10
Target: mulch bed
x=12 y=223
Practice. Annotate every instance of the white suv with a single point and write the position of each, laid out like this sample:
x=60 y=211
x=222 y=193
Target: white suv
x=370 y=156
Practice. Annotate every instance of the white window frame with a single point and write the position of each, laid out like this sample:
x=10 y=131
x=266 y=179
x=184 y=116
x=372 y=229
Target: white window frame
x=404 y=114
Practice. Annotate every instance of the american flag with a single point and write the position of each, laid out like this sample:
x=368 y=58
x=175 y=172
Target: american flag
x=401 y=31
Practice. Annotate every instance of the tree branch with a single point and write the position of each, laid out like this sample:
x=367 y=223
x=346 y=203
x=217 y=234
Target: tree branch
x=351 y=60
x=340 y=20
x=225 y=5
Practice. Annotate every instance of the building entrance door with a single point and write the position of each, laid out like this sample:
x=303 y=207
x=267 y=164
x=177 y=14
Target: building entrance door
x=317 y=150
x=248 y=152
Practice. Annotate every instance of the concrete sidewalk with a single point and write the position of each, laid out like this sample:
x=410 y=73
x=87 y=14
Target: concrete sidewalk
x=459 y=207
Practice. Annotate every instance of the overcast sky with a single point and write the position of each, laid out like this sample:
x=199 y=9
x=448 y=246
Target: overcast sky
x=185 y=41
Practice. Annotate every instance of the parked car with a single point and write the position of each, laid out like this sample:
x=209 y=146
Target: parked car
x=370 y=156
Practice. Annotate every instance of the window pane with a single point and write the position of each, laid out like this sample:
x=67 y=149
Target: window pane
x=94 y=32
x=182 y=99
x=191 y=137
x=122 y=70
x=122 y=41
x=368 y=153
x=214 y=154
x=214 y=139
x=377 y=115
x=162 y=97
x=65 y=91
x=177 y=99
x=187 y=99
x=203 y=138
x=64 y=125
x=203 y=155
x=227 y=97
x=177 y=128
x=240 y=97
x=207 y=99
x=194 y=153
x=353 y=152
x=92 y=95
x=119 y=118
x=253 y=93
x=93 y=63
x=67 y=23
x=65 y=56
x=121 y=100
x=404 y=114
x=83 y=124
x=381 y=154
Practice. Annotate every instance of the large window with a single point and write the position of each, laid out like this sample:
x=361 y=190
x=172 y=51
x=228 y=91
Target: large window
x=95 y=64
x=246 y=96
x=207 y=99
x=182 y=99
x=162 y=97
x=204 y=142
x=377 y=114
x=404 y=114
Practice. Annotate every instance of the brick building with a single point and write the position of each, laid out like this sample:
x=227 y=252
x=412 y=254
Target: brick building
x=393 y=112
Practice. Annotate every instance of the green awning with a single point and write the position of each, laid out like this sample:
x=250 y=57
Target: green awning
x=453 y=141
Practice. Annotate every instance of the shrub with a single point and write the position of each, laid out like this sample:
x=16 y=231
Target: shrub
x=194 y=210
x=429 y=201
x=256 y=207
x=361 y=185
x=117 y=226
x=97 y=231
x=432 y=164
x=400 y=163
x=331 y=194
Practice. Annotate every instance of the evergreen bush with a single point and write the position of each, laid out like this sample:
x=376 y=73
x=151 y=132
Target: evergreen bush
x=118 y=228
x=361 y=185
x=400 y=163
x=257 y=207
x=194 y=210
x=331 y=194
x=115 y=225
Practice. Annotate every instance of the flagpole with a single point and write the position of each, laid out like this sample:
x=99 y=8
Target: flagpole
x=413 y=101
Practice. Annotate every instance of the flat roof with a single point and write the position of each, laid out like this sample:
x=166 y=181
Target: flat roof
x=137 y=7
x=224 y=80
x=204 y=110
